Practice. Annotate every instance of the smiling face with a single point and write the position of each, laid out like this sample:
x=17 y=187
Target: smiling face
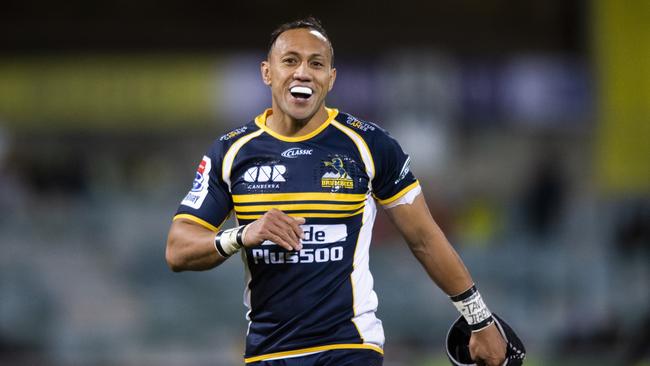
x=300 y=73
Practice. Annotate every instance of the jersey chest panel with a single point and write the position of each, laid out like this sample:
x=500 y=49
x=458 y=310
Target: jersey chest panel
x=327 y=163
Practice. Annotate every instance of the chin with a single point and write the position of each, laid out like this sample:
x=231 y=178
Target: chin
x=301 y=114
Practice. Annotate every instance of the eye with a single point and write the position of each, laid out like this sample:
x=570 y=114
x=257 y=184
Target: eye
x=289 y=61
x=317 y=64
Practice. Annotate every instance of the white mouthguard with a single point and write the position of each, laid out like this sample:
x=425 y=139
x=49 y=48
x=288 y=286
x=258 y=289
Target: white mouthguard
x=301 y=90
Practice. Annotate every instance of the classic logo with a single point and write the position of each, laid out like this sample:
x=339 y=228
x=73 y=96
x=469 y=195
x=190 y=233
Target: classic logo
x=337 y=177
x=295 y=152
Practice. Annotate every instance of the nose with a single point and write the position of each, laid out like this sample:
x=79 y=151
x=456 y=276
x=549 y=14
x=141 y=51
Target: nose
x=301 y=72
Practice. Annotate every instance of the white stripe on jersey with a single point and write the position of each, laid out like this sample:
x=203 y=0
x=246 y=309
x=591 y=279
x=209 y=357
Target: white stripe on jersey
x=364 y=297
x=229 y=157
x=407 y=198
x=247 y=291
x=363 y=148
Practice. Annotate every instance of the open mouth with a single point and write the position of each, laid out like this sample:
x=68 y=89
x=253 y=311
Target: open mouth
x=301 y=92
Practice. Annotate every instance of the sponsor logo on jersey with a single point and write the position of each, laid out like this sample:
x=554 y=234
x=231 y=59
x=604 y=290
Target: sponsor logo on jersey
x=233 y=133
x=320 y=234
x=305 y=255
x=199 y=189
x=351 y=121
x=314 y=235
x=406 y=168
x=265 y=176
x=200 y=178
x=336 y=176
x=295 y=152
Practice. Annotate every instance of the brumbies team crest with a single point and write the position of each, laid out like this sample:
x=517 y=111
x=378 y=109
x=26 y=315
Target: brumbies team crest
x=336 y=176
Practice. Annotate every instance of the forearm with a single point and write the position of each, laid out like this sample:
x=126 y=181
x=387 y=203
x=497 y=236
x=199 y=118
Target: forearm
x=190 y=247
x=441 y=263
x=430 y=246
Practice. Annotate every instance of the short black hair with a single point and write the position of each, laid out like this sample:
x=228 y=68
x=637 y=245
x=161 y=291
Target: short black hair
x=308 y=23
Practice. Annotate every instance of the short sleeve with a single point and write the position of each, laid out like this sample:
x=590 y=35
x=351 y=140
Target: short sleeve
x=208 y=202
x=393 y=177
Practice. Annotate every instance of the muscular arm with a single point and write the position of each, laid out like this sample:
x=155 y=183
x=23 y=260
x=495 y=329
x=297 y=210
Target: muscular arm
x=444 y=266
x=190 y=246
x=430 y=246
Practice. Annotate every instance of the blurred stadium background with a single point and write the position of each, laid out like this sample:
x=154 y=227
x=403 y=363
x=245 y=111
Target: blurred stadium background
x=528 y=123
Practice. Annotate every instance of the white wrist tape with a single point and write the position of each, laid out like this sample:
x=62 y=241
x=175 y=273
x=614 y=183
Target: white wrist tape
x=471 y=306
x=228 y=242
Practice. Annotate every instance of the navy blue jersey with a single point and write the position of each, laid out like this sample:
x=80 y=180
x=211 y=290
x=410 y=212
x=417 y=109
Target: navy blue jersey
x=321 y=297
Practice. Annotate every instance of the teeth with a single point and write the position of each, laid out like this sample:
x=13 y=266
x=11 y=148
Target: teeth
x=301 y=90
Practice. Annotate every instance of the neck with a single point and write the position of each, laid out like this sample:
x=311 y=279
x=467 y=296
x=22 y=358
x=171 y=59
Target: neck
x=288 y=126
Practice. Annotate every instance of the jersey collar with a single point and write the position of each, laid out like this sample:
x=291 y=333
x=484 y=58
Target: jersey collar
x=260 y=121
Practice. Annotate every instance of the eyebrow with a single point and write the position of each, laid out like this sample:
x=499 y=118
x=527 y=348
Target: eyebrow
x=294 y=53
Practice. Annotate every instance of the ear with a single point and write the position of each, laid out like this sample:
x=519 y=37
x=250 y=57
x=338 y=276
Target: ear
x=265 y=69
x=332 y=79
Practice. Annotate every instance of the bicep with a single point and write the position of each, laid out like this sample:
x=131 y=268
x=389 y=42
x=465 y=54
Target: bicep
x=414 y=221
x=190 y=246
x=430 y=246
x=183 y=227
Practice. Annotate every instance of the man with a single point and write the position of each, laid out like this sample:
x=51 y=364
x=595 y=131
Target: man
x=302 y=180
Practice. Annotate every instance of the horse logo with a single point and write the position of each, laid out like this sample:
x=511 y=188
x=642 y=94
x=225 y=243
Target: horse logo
x=339 y=177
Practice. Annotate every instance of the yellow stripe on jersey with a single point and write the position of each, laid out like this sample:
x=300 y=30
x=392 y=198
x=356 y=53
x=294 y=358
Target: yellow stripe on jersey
x=229 y=156
x=305 y=214
x=399 y=194
x=362 y=147
x=298 y=196
x=312 y=350
x=199 y=221
x=300 y=206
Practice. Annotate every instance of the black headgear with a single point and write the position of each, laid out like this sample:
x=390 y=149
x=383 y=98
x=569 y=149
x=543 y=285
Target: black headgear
x=457 y=343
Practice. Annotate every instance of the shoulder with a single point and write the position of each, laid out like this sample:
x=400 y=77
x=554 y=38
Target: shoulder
x=371 y=132
x=235 y=134
x=224 y=142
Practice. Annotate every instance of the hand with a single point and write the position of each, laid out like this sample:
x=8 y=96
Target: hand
x=277 y=227
x=487 y=346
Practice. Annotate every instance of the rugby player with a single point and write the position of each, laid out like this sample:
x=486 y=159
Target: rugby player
x=304 y=181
